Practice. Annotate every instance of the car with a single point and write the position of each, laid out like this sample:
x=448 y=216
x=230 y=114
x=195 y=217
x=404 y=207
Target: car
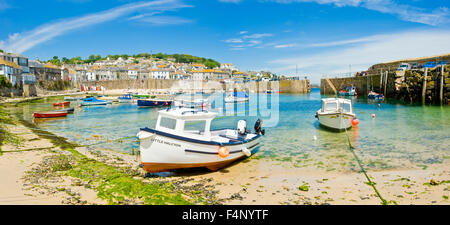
x=415 y=66
x=429 y=65
x=404 y=66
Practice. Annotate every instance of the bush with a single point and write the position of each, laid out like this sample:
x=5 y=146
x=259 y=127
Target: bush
x=5 y=82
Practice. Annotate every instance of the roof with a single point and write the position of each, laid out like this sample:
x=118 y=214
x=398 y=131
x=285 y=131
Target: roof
x=51 y=66
x=9 y=63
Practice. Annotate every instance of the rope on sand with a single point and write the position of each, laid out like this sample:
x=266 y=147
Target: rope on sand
x=383 y=201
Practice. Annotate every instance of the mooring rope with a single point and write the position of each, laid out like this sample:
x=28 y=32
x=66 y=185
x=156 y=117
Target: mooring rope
x=383 y=201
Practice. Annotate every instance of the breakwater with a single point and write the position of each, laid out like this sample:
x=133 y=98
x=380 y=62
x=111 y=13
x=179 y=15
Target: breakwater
x=430 y=85
x=284 y=86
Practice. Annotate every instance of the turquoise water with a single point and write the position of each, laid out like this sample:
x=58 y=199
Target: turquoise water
x=400 y=136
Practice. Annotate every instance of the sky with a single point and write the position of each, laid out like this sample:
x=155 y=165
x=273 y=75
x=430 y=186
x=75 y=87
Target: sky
x=312 y=38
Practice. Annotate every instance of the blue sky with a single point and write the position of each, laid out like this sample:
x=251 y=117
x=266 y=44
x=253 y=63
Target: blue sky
x=319 y=37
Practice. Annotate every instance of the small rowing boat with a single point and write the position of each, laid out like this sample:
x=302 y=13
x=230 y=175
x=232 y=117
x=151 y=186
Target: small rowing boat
x=72 y=98
x=49 y=114
x=126 y=98
x=350 y=91
x=61 y=103
x=374 y=95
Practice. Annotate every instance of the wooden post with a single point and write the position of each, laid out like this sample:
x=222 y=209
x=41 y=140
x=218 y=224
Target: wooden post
x=385 y=83
x=381 y=80
x=424 y=87
x=441 y=92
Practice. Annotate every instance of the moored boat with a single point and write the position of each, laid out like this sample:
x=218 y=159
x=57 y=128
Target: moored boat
x=126 y=98
x=182 y=138
x=336 y=114
x=374 y=95
x=191 y=103
x=94 y=101
x=350 y=91
x=68 y=110
x=61 y=103
x=153 y=102
x=49 y=114
x=68 y=98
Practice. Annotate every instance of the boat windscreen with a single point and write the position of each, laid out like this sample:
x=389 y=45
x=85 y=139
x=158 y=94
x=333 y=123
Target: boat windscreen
x=330 y=106
x=168 y=123
x=195 y=126
x=347 y=107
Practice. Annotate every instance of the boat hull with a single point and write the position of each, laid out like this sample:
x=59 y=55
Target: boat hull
x=336 y=121
x=231 y=100
x=61 y=103
x=162 y=153
x=152 y=103
x=125 y=100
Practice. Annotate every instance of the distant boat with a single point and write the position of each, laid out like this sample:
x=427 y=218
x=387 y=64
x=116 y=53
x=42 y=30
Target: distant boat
x=61 y=103
x=153 y=103
x=72 y=98
x=336 y=113
x=68 y=110
x=49 y=114
x=351 y=91
x=187 y=103
x=237 y=97
x=374 y=95
x=126 y=98
x=94 y=101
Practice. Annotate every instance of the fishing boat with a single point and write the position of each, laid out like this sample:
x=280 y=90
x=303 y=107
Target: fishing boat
x=182 y=138
x=49 y=114
x=350 y=91
x=237 y=97
x=61 y=103
x=126 y=98
x=68 y=110
x=94 y=101
x=336 y=114
x=374 y=95
x=153 y=103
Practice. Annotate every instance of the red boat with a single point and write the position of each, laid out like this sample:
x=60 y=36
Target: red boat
x=49 y=114
x=61 y=103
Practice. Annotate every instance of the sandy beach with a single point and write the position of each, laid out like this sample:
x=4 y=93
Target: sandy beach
x=250 y=181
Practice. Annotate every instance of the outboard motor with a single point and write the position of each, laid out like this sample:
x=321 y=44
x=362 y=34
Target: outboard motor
x=257 y=127
x=242 y=127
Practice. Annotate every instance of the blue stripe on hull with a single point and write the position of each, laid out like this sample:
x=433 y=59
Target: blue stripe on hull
x=149 y=103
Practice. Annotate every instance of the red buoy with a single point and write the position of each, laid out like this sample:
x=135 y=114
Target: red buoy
x=355 y=122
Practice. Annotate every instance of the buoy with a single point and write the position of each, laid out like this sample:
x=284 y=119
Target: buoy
x=315 y=137
x=156 y=103
x=223 y=152
x=246 y=152
x=379 y=105
x=373 y=115
x=167 y=103
x=355 y=122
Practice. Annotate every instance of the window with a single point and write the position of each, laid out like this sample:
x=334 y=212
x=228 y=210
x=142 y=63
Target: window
x=196 y=126
x=168 y=123
x=346 y=107
x=331 y=106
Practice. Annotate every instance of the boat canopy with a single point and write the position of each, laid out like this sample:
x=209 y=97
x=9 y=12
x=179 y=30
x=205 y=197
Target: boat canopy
x=335 y=104
x=92 y=99
x=182 y=121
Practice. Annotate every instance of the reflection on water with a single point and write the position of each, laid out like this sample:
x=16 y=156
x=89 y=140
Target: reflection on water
x=399 y=135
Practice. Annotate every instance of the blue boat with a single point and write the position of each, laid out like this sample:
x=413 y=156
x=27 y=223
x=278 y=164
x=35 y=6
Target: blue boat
x=94 y=101
x=125 y=98
x=153 y=103
x=374 y=95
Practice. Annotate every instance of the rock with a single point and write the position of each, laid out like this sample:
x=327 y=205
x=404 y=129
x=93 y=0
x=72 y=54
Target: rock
x=433 y=182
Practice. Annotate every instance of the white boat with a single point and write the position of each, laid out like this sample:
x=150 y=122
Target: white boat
x=182 y=139
x=94 y=101
x=236 y=97
x=336 y=113
x=187 y=103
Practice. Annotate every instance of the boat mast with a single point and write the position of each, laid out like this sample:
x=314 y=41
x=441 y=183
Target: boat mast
x=151 y=69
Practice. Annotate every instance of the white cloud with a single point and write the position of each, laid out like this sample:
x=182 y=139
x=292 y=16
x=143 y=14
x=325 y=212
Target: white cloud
x=243 y=32
x=254 y=36
x=361 y=55
x=164 y=20
x=234 y=40
x=26 y=40
x=404 y=12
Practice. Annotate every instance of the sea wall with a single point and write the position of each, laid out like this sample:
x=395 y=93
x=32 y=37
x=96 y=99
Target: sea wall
x=407 y=86
x=284 y=86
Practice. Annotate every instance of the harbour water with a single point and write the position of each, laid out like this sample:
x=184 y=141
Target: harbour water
x=399 y=136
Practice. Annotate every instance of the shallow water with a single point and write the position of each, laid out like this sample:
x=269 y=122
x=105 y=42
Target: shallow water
x=400 y=136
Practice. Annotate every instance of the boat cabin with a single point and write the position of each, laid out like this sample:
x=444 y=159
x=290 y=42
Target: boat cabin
x=195 y=123
x=336 y=104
